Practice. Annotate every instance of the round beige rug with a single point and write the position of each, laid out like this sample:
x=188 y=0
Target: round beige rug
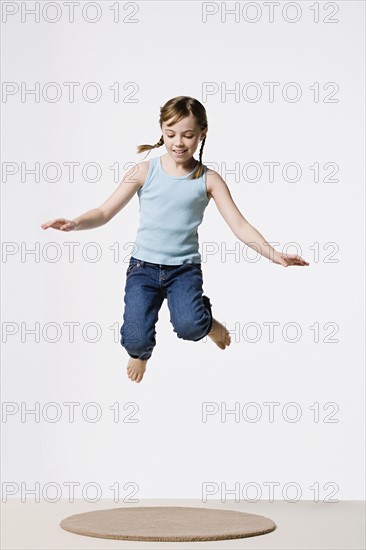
x=167 y=523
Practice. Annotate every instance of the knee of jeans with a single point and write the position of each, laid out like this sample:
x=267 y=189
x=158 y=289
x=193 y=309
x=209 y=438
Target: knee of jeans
x=192 y=330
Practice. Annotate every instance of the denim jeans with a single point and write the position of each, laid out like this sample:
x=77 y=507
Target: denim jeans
x=147 y=285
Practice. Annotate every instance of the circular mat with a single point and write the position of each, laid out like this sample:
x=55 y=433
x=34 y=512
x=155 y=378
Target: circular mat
x=167 y=523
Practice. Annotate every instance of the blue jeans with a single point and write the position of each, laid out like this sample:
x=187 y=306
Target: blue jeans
x=147 y=285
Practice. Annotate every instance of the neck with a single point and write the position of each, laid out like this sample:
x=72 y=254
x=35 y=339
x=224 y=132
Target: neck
x=186 y=166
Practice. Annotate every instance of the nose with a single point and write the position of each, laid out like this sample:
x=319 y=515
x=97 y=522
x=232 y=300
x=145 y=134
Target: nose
x=178 y=142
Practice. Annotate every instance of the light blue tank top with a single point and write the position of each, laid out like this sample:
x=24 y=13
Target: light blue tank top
x=171 y=209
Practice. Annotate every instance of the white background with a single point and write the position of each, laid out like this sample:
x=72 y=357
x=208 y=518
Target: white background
x=170 y=452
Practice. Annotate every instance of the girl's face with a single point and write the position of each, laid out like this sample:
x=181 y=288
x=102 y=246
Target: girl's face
x=181 y=140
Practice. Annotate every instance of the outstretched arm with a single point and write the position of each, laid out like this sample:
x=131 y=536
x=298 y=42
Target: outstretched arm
x=129 y=185
x=241 y=228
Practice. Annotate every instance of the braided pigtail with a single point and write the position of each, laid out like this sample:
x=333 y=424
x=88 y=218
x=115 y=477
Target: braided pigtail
x=142 y=148
x=199 y=170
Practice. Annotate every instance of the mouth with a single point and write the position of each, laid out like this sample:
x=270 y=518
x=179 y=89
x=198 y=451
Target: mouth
x=179 y=152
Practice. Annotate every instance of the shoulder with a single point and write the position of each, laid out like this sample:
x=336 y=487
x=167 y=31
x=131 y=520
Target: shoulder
x=213 y=181
x=139 y=172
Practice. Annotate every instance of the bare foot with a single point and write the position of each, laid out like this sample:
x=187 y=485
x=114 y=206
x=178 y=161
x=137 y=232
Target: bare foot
x=136 y=369
x=219 y=334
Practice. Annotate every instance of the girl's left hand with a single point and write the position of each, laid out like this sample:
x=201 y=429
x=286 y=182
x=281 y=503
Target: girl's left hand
x=288 y=259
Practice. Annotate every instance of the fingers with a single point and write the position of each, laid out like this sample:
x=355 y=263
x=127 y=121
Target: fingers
x=300 y=261
x=57 y=223
x=47 y=224
x=50 y=223
x=293 y=259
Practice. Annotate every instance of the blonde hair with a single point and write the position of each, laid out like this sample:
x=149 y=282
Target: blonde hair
x=175 y=109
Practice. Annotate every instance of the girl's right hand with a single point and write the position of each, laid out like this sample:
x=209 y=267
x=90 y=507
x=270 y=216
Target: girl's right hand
x=60 y=223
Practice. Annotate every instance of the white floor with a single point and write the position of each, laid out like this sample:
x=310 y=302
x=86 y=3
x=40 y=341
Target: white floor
x=302 y=525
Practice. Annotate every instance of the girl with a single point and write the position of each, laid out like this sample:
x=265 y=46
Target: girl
x=174 y=190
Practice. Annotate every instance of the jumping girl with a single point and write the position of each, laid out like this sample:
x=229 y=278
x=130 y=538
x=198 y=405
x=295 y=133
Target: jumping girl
x=174 y=191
